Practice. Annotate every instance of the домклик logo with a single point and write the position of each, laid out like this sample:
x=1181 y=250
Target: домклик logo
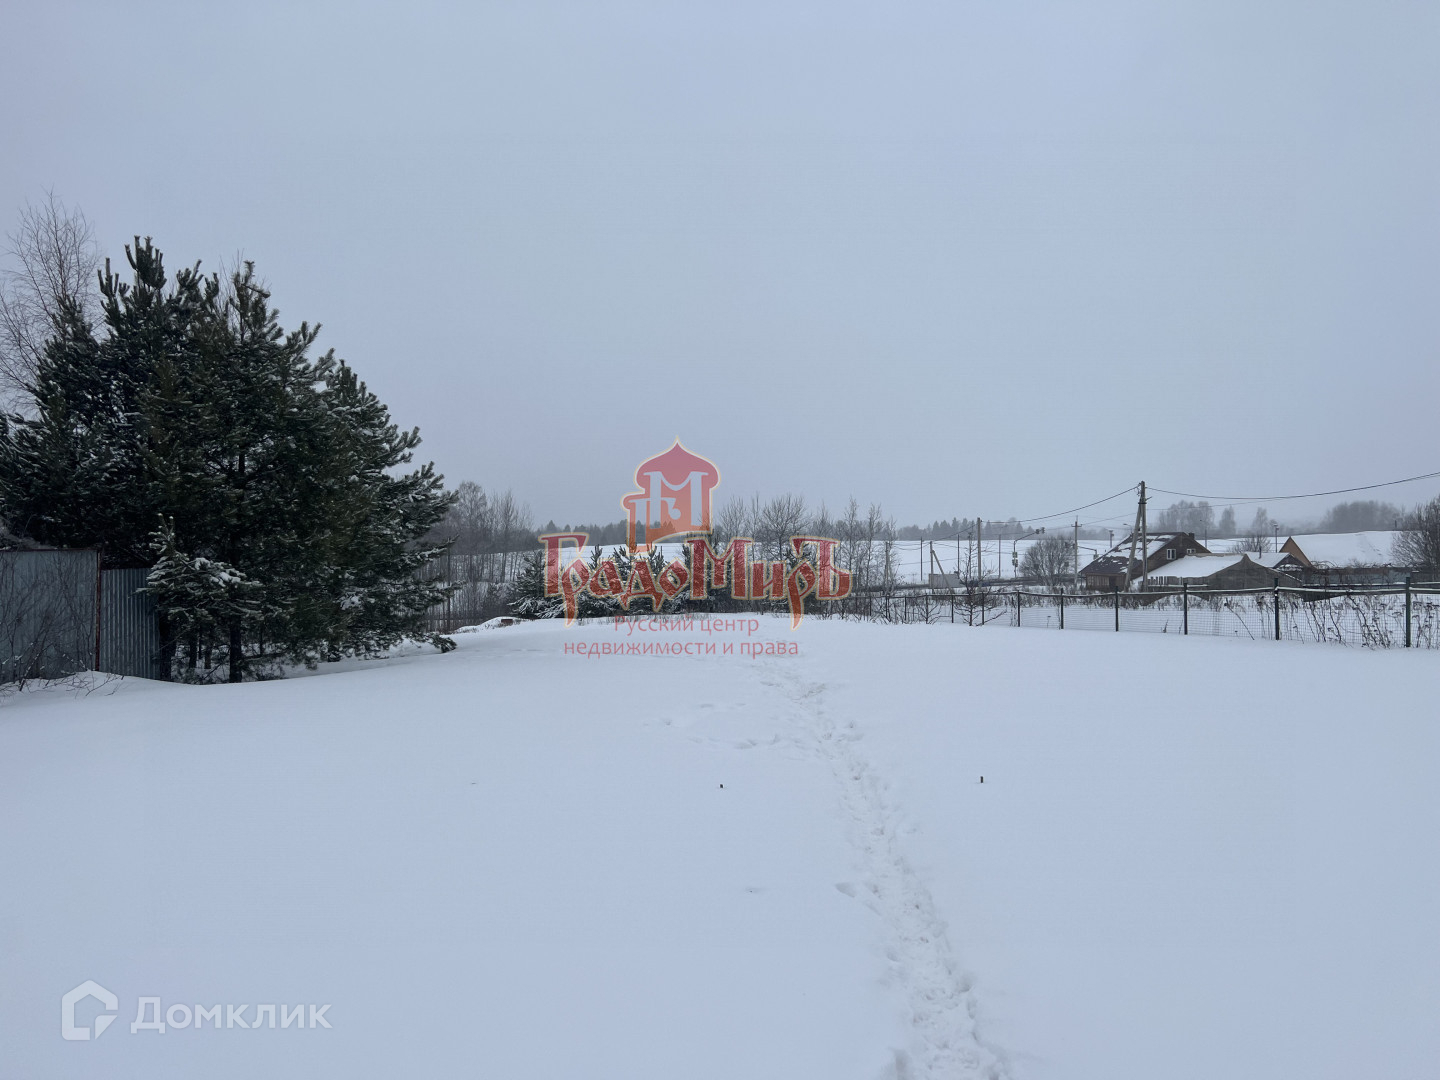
x=88 y=988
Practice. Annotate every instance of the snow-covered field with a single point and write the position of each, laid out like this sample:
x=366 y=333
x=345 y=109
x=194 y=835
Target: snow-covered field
x=999 y=559
x=1189 y=858
x=910 y=559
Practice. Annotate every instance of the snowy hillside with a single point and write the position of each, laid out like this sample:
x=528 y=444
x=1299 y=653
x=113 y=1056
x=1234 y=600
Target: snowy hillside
x=519 y=861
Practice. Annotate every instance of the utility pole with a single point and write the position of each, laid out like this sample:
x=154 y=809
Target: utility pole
x=1077 y=554
x=1144 y=540
x=979 y=551
x=936 y=566
x=1134 y=536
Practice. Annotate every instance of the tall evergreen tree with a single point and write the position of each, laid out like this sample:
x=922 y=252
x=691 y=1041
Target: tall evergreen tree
x=197 y=434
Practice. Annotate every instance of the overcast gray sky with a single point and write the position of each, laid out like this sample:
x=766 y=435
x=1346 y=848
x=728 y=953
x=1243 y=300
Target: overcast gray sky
x=962 y=258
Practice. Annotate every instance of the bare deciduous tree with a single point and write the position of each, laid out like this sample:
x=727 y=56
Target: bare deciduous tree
x=1257 y=537
x=779 y=519
x=1051 y=561
x=1418 y=544
x=512 y=529
x=54 y=260
x=731 y=520
x=469 y=518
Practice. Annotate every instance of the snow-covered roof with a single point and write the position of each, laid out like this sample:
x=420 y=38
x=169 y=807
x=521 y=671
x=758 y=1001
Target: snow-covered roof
x=1347 y=549
x=1270 y=559
x=1115 y=560
x=1107 y=564
x=1153 y=542
x=1196 y=567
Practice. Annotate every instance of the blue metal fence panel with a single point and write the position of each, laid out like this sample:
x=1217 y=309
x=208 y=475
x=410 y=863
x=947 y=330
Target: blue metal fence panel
x=129 y=632
x=48 y=613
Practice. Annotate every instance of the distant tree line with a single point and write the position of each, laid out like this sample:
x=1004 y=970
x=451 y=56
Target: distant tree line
x=866 y=550
x=612 y=532
x=956 y=528
x=1346 y=517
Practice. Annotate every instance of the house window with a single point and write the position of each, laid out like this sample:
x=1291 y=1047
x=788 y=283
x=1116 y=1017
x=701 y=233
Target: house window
x=1169 y=553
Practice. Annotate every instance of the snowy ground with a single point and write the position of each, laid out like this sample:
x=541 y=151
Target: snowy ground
x=1188 y=858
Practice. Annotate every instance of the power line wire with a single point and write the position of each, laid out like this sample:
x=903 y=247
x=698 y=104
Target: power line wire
x=1087 y=506
x=970 y=532
x=1280 y=498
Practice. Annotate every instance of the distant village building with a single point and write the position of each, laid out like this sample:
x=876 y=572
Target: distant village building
x=1173 y=560
x=1362 y=558
x=1105 y=574
x=1237 y=570
x=1161 y=549
x=1291 y=548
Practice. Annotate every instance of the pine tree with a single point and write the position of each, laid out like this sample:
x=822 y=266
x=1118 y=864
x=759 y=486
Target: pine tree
x=197 y=415
x=374 y=518
x=527 y=594
x=195 y=595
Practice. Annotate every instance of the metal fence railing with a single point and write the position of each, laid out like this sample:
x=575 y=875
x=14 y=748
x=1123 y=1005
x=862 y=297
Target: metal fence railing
x=1374 y=617
x=1377 y=618
x=1366 y=616
x=129 y=627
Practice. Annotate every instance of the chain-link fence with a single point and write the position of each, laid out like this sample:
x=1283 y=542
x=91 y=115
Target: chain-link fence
x=1376 y=618
x=1365 y=616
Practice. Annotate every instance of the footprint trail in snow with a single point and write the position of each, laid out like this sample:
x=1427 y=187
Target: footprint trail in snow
x=939 y=993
